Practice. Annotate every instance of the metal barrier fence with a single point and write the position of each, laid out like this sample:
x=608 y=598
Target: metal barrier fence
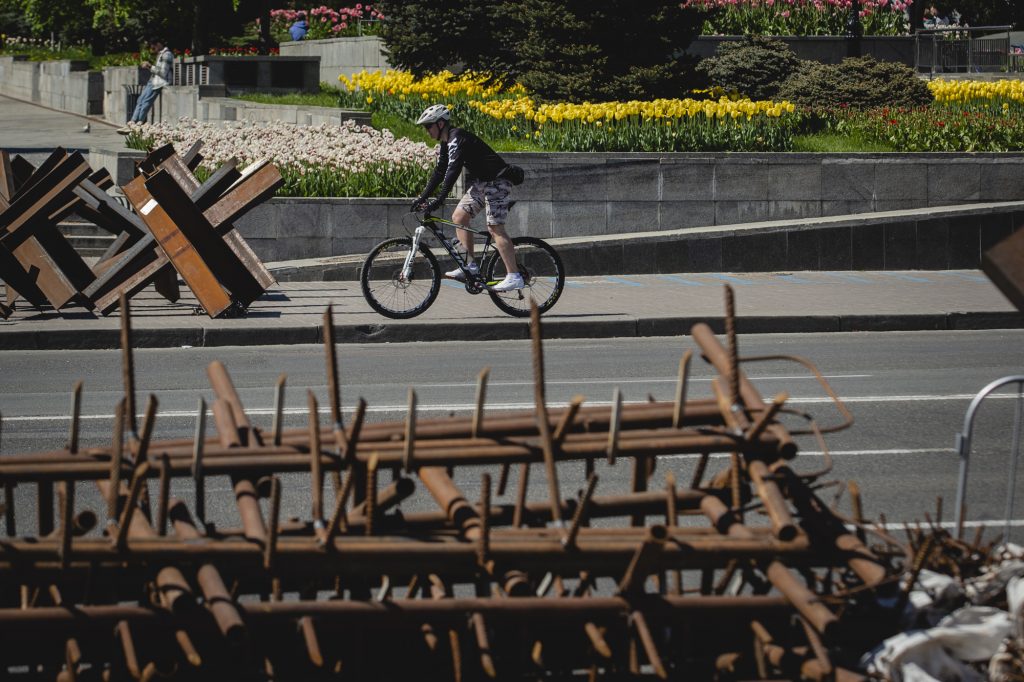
x=190 y=73
x=963 y=446
x=964 y=49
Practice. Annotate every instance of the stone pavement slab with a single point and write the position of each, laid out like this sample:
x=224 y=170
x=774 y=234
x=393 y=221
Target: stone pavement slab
x=590 y=307
x=28 y=128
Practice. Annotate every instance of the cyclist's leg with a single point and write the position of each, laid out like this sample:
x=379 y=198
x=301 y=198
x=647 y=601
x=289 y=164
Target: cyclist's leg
x=497 y=196
x=469 y=207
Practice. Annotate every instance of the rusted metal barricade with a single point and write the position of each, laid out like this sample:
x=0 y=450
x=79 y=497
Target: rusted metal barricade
x=665 y=580
x=179 y=227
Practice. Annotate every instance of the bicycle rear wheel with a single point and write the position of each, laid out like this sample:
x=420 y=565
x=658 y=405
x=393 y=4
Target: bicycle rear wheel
x=387 y=291
x=541 y=269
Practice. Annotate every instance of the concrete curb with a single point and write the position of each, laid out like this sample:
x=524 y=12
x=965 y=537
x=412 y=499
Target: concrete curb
x=511 y=329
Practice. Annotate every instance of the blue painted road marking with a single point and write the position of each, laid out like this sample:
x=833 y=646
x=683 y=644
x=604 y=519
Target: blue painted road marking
x=969 y=278
x=728 y=278
x=906 y=277
x=849 y=278
x=620 y=280
x=680 y=280
x=793 y=279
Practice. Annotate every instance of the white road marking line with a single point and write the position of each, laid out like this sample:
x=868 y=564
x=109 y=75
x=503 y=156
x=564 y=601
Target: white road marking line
x=469 y=407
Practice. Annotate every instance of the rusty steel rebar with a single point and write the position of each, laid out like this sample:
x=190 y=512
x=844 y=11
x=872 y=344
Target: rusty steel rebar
x=607 y=597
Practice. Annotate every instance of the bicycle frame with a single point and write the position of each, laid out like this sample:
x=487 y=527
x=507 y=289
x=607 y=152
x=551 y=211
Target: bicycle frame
x=434 y=226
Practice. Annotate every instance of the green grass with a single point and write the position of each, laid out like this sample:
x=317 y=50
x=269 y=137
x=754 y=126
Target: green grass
x=327 y=97
x=832 y=142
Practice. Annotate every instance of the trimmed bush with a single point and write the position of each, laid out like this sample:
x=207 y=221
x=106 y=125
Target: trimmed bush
x=856 y=82
x=755 y=66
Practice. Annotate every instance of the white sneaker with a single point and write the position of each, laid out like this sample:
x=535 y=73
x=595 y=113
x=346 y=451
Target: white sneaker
x=512 y=282
x=458 y=274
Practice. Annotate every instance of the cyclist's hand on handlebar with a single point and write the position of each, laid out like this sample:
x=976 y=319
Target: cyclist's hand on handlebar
x=418 y=206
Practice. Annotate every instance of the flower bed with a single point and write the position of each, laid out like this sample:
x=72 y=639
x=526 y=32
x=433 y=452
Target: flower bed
x=800 y=17
x=325 y=160
x=325 y=22
x=967 y=116
x=497 y=112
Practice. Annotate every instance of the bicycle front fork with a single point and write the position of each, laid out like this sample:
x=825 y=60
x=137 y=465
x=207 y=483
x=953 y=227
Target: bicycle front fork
x=407 y=265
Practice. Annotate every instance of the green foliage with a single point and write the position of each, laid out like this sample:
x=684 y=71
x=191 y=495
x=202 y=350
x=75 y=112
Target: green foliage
x=754 y=66
x=860 y=83
x=567 y=50
x=424 y=36
x=578 y=50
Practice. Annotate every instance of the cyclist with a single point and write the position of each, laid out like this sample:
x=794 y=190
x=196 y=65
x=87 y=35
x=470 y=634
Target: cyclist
x=460 y=148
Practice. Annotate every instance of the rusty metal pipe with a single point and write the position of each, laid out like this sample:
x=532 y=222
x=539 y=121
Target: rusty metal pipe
x=749 y=395
x=460 y=512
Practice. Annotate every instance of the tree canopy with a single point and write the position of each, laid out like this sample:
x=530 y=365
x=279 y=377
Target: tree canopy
x=571 y=50
x=123 y=25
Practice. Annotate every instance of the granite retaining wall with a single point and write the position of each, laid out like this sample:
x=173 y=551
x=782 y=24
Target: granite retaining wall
x=65 y=84
x=575 y=195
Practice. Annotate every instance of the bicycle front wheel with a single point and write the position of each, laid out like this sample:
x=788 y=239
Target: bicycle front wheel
x=542 y=272
x=393 y=294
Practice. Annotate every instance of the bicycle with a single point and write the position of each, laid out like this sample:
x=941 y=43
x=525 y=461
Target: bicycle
x=400 y=277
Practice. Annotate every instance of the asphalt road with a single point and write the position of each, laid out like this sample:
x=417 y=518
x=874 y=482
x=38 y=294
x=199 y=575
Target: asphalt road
x=908 y=393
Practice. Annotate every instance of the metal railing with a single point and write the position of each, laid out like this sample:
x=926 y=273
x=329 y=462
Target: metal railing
x=191 y=73
x=963 y=446
x=963 y=49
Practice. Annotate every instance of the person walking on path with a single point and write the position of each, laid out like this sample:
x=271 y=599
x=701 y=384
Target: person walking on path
x=460 y=148
x=159 y=76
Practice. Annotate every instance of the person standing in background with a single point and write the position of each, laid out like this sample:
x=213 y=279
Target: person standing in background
x=160 y=74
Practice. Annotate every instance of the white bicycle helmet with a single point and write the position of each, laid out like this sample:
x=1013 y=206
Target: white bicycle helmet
x=433 y=114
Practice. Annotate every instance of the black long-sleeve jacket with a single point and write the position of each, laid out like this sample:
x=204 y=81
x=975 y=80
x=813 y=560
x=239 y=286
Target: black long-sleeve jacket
x=464 y=149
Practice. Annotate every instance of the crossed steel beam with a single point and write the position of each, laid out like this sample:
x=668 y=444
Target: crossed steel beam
x=178 y=227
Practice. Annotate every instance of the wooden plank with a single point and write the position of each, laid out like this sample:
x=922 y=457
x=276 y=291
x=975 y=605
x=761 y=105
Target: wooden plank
x=177 y=247
x=228 y=268
x=1004 y=265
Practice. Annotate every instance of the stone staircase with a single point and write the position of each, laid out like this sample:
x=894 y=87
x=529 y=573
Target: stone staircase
x=88 y=239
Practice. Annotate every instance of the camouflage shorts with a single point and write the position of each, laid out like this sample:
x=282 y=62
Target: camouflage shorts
x=493 y=194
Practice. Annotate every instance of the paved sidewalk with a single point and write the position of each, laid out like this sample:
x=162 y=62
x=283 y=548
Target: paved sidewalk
x=604 y=306
x=27 y=128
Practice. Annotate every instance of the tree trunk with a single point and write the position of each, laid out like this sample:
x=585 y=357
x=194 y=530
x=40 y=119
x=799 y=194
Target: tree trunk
x=200 y=29
x=265 y=39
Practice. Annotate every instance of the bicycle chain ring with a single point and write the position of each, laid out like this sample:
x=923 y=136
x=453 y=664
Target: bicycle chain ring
x=475 y=286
